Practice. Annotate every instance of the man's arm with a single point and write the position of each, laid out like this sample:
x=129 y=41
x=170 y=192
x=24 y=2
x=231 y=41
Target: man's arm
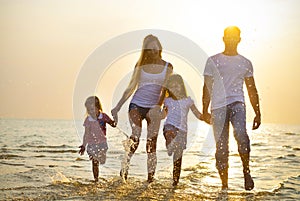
x=254 y=99
x=207 y=87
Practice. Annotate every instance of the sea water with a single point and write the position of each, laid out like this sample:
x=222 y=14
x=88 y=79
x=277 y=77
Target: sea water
x=39 y=160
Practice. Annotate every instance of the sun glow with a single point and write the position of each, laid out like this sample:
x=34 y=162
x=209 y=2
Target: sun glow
x=40 y=37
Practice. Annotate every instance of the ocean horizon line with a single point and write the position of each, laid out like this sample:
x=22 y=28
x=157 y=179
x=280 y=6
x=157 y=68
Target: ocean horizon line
x=72 y=119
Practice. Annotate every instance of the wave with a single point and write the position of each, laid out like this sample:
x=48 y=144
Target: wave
x=57 y=151
x=290 y=133
x=80 y=159
x=76 y=166
x=290 y=188
x=259 y=144
x=288 y=156
x=30 y=145
x=10 y=156
x=40 y=156
x=13 y=164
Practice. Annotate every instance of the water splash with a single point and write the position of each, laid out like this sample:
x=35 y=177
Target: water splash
x=127 y=144
x=59 y=178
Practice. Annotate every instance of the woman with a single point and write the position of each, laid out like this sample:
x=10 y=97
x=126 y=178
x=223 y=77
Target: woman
x=147 y=83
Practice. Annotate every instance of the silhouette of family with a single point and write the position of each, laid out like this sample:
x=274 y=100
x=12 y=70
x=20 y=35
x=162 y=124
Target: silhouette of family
x=159 y=94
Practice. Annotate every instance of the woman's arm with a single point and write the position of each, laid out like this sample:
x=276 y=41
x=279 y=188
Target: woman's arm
x=127 y=93
x=163 y=89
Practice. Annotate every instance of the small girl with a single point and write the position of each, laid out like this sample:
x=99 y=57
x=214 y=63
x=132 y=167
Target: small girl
x=176 y=108
x=95 y=133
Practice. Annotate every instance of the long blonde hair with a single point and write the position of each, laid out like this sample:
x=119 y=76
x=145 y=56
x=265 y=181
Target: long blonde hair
x=148 y=39
x=143 y=60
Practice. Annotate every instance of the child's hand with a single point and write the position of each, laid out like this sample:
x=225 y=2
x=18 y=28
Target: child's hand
x=82 y=149
x=164 y=112
x=201 y=117
x=114 y=124
x=158 y=113
x=155 y=113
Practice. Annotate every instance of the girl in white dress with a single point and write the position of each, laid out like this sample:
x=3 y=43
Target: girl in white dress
x=176 y=108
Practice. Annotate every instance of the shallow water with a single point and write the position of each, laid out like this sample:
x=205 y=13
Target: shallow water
x=39 y=160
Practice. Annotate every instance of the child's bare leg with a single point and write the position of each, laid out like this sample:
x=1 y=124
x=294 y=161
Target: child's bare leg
x=177 y=160
x=95 y=169
x=169 y=136
x=102 y=157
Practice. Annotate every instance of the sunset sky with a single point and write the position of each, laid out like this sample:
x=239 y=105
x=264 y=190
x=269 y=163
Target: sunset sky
x=45 y=44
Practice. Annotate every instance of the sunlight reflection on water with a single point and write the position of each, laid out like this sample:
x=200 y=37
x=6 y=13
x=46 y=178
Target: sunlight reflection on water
x=52 y=169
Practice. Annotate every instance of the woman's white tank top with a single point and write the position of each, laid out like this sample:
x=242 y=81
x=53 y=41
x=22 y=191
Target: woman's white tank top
x=149 y=87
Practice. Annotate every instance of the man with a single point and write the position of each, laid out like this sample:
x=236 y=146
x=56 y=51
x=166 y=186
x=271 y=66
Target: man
x=224 y=76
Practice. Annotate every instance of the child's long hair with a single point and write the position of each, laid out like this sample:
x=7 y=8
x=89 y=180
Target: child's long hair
x=93 y=100
x=176 y=78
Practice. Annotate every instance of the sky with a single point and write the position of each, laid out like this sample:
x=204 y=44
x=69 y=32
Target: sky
x=45 y=45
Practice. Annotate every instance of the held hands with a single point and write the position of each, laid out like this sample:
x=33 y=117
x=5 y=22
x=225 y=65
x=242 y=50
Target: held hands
x=82 y=149
x=206 y=117
x=156 y=113
x=114 y=124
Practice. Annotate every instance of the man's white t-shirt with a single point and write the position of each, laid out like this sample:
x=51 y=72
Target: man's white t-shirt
x=228 y=73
